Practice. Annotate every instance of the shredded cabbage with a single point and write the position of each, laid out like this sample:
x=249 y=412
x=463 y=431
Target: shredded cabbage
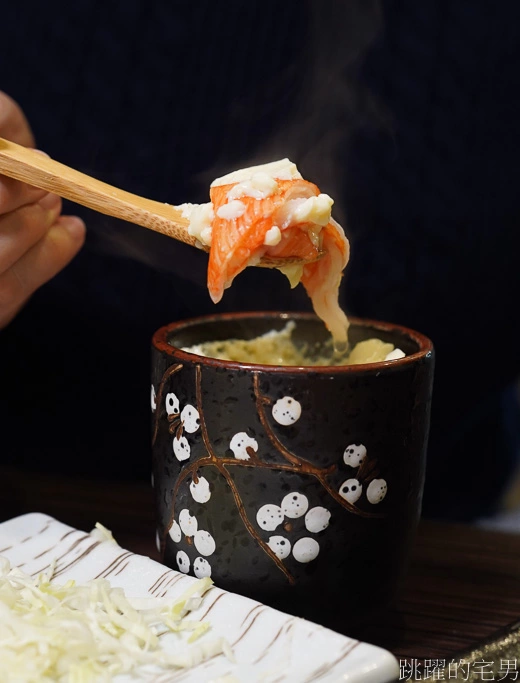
x=84 y=633
x=101 y=533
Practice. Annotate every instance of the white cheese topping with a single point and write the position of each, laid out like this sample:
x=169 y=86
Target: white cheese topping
x=273 y=236
x=259 y=182
x=186 y=209
x=282 y=169
x=201 y=217
x=260 y=186
x=231 y=210
x=313 y=210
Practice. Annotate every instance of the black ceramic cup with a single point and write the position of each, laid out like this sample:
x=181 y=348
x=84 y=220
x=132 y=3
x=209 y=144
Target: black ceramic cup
x=300 y=487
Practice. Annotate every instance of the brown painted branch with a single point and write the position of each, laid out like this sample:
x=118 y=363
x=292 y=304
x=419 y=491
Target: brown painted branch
x=245 y=519
x=344 y=503
x=183 y=474
x=158 y=401
x=218 y=462
x=302 y=465
x=284 y=452
x=233 y=462
x=281 y=467
x=315 y=472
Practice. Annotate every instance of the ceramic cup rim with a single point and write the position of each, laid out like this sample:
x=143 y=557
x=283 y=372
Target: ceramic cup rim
x=160 y=343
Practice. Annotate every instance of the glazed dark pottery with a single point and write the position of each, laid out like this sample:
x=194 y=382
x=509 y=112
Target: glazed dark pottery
x=300 y=487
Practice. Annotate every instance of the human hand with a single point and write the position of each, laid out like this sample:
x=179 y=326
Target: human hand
x=36 y=242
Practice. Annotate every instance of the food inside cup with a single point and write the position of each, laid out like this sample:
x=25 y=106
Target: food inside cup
x=277 y=347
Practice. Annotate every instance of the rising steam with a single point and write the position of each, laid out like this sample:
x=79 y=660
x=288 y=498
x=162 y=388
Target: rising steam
x=328 y=106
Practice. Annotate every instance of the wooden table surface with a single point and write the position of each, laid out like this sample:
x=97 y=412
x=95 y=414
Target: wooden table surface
x=462 y=586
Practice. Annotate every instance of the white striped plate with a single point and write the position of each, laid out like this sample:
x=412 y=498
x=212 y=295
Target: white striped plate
x=268 y=646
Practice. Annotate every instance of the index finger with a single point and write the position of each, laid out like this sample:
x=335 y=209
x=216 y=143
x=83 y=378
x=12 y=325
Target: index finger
x=14 y=194
x=13 y=124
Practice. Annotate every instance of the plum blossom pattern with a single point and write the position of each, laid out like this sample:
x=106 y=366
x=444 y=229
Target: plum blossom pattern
x=287 y=411
x=201 y=568
x=376 y=491
x=351 y=490
x=317 y=519
x=294 y=505
x=181 y=448
x=204 y=542
x=183 y=561
x=295 y=523
x=188 y=523
x=201 y=540
x=175 y=532
x=280 y=546
x=200 y=490
x=172 y=404
x=354 y=454
x=180 y=421
x=269 y=517
x=243 y=446
x=190 y=418
x=305 y=550
x=366 y=479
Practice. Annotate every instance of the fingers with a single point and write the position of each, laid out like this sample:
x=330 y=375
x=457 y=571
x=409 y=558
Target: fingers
x=14 y=194
x=23 y=228
x=39 y=264
x=35 y=242
x=13 y=124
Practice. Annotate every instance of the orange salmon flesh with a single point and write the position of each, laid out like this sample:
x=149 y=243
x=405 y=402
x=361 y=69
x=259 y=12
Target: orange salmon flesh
x=239 y=241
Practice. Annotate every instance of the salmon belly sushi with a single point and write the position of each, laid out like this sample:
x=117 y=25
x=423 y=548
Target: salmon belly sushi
x=272 y=211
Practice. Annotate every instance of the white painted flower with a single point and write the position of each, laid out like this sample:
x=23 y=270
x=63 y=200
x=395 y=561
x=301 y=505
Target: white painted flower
x=181 y=448
x=157 y=541
x=240 y=443
x=188 y=523
x=280 y=546
x=295 y=505
x=190 y=418
x=200 y=490
x=269 y=517
x=305 y=550
x=351 y=490
x=172 y=404
x=317 y=519
x=287 y=411
x=201 y=568
x=175 y=532
x=376 y=491
x=183 y=562
x=152 y=399
x=354 y=454
x=204 y=542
